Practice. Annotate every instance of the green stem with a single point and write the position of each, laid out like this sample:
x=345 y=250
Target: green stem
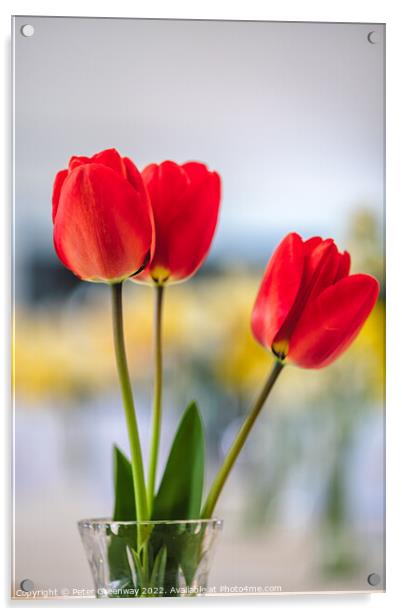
x=239 y=441
x=128 y=403
x=157 y=405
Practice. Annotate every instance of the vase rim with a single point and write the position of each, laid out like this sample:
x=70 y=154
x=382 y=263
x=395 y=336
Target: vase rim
x=91 y=522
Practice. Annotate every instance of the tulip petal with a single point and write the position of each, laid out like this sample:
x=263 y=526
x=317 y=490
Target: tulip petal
x=194 y=226
x=332 y=321
x=57 y=186
x=320 y=267
x=102 y=229
x=167 y=185
x=133 y=176
x=110 y=158
x=278 y=290
x=312 y=243
x=344 y=266
x=77 y=161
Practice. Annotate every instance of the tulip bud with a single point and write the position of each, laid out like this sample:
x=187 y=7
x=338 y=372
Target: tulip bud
x=185 y=203
x=309 y=309
x=103 y=223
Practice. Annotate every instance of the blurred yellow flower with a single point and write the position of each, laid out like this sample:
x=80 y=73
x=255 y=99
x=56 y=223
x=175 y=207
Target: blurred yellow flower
x=68 y=352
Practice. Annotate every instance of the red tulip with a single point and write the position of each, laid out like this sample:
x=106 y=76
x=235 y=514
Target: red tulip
x=103 y=224
x=185 y=203
x=309 y=309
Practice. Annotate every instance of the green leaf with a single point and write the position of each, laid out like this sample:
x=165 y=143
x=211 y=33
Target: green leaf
x=120 y=572
x=191 y=553
x=124 y=503
x=184 y=548
x=124 y=510
x=180 y=492
x=138 y=567
x=158 y=570
x=143 y=533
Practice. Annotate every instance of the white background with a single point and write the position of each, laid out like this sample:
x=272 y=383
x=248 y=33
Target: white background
x=385 y=11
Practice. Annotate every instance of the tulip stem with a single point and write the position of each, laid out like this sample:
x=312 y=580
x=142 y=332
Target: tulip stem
x=239 y=441
x=128 y=403
x=157 y=404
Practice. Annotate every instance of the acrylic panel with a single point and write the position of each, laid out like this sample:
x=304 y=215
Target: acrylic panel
x=290 y=116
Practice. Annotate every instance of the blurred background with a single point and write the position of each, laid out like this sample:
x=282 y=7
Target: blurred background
x=292 y=117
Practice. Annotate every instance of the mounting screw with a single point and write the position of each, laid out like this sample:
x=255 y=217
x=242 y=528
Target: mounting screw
x=27 y=585
x=373 y=37
x=27 y=30
x=374 y=579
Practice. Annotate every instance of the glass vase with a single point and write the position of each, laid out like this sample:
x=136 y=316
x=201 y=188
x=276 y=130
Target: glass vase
x=149 y=559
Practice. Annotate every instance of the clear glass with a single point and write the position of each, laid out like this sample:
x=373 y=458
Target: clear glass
x=174 y=558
